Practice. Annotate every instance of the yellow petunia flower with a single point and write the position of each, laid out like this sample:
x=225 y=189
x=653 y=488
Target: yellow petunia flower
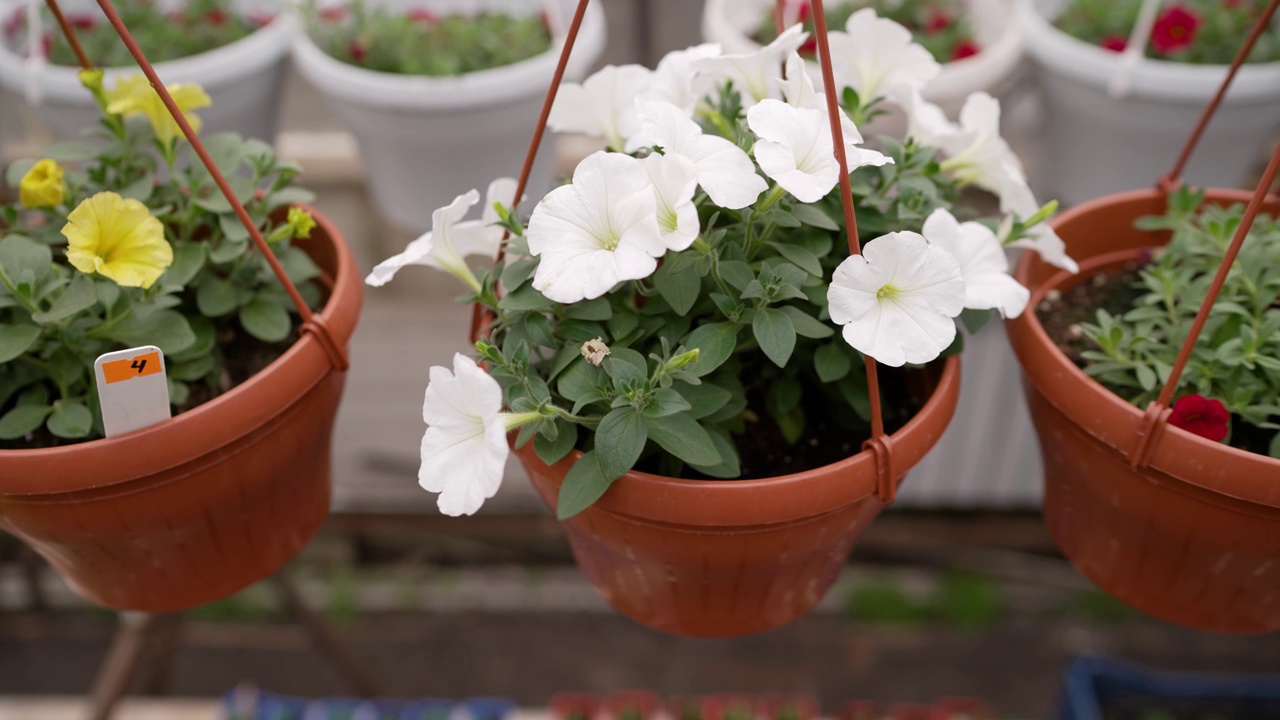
x=133 y=95
x=117 y=238
x=42 y=185
x=301 y=222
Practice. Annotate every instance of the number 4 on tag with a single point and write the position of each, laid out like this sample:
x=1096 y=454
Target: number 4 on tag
x=133 y=389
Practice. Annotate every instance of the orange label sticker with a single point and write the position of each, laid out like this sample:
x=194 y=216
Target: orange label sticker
x=130 y=368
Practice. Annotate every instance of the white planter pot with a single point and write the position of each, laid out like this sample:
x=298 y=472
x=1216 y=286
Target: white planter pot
x=426 y=140
x=1097 y=144
x=244 y=79
x=732 y=23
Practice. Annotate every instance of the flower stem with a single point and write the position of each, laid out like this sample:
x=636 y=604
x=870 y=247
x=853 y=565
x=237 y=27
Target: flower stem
x=771 y=199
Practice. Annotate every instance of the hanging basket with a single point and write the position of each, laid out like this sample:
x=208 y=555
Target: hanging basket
x=1180 y=527
x=194 y=509
x=723 y=558
x=197 y=507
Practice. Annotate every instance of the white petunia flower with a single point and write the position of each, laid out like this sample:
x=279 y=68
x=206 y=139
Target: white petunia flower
x=878 y=58
x=674 y=178
x=897 y=300
x=796 y=150
x=450 y=239
x=797 y=87
x=1019 y=200
x=982 y=261
x=724 y=170
x=596 y=232
x=464 y=450
x=754 y=75
x=976 y=154
x=603 y=105
x=675 y=80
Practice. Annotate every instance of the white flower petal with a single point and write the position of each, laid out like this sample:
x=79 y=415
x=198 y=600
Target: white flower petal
x=754 y=75
x=878 y=58
x=464 y=450
x=677 y=82
x=674 y=178
x=983 y=264
x=795 y=149
x=501 y=191
x=1052 y=249
x=434 y=248
x=603 y=105
x=897 y=300
x=596 y=232
x=725 y=171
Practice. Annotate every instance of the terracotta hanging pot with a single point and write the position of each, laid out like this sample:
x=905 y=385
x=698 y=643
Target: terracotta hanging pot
x=732 y=557
x=202 y=505
x=1193 y=537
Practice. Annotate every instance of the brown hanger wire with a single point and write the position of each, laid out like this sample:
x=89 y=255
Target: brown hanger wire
x=311 y=322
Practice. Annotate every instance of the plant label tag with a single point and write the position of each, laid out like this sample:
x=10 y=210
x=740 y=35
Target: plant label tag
x=133 y=389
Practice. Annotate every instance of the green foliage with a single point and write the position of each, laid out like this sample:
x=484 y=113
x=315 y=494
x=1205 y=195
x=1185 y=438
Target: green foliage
x=195 y=27
x=961 y=600
x=420 y=43
x=1218 y=33
x=1237 y=358
x=940 y=26
x=55 y=321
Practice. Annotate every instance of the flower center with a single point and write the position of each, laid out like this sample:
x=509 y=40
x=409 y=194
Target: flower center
x=887 y=293
x=609 y=240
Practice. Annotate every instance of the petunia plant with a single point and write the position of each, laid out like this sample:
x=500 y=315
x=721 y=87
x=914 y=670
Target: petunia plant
x=941 y=27
x=1191 y=31
x=1230 y=390
x=686 y=304
x=119 y=240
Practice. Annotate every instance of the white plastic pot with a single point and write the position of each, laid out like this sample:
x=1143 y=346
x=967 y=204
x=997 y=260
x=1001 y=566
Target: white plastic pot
x=244 y=79
x=426 y=140
x=733 y=23
x=1098 y=144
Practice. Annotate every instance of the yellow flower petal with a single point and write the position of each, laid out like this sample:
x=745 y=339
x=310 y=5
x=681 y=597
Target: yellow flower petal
x=117 y=238
x=133 y=95
x=42 y=185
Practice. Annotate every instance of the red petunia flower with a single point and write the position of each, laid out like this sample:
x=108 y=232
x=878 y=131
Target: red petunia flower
x=937 y=21
x=260 y=18
x=1175 y=29
x=80 y=21
x=424 y=16
x=336 y=13
x=966 y=48
x=1206 y=417
x=215 y=17
x=1114 y=43
x=357 y=50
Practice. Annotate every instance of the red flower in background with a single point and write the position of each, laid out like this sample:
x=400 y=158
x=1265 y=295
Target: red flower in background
x=1174 y=29
x=215 y=17
x=260 y=18
x=1202 y=416
x=80 y=21
x=1114 y=43
x=966 y=48
x=423 y=16
x=357 y=50
x=336 y=13
x=937 y=21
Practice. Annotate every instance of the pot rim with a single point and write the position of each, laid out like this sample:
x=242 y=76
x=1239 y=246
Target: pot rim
x=1109 y=419
x=1159 y=80
x=786 y=498
x=496 y=86
x=222 y=421
x=216 y=69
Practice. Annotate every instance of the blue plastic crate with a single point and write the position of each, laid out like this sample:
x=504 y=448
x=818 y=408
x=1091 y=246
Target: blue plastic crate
x=1096 y=688
x=249 y=703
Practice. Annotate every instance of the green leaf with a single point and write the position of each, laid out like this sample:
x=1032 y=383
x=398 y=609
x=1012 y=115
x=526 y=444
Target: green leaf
x=516 y=273
x=737 y=273
x=597 y=309
x=216 y=296
x=704 y=399
x=79 y=295
x=1146 y=377
x=232 y=229
x=191 y=370
x=298 y=265
x=17 y=170
x=1274 y=450
x=15 y=340
x=139 y=190
x=72 y=151
x=579 y=379
x=553 y=451
x=684 y=438
x=166 y=329
x=217 y=204
x=975 y=320
x=811 y=215
x=71 y=420
x=619 y=441
x=583 y=485
x=525 y=299
x=801 y=256
x=679 y=288
x=293 y=195
x=831 y=363
x=729 y=465
x=807 y=325
x=775 y=333
x=188 y=259
x=625 y=364
x=666 y=402
x=18 y=255
x=22 y=420
x=266 y=320
x=715 y=343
